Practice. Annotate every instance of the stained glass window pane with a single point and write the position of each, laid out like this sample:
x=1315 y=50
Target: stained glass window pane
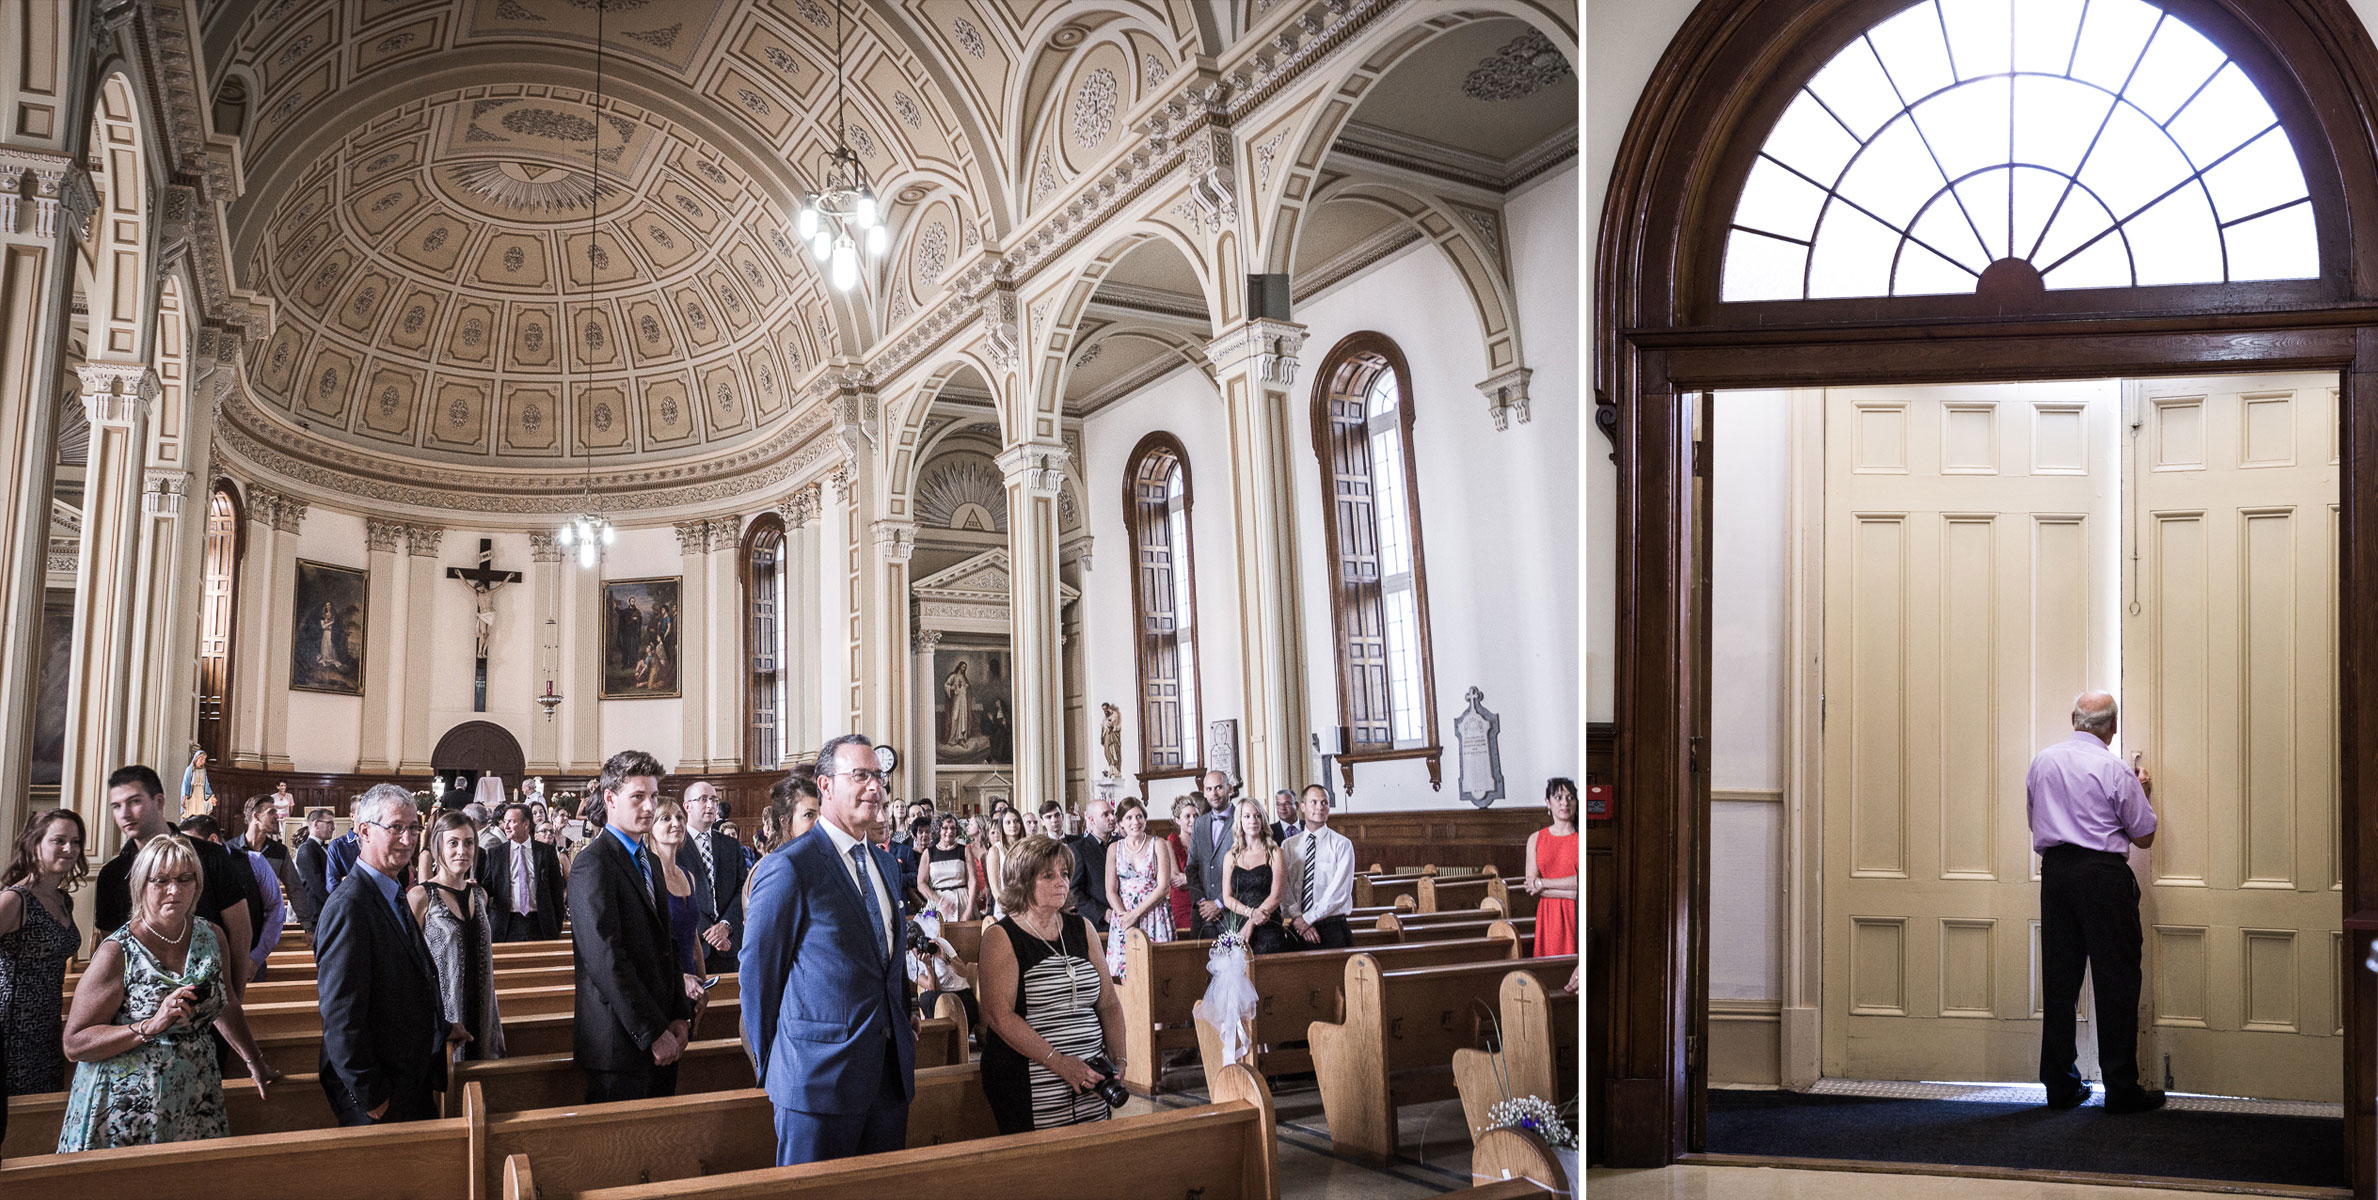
x=2105 y=141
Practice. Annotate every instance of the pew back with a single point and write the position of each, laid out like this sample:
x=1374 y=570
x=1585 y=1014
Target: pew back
x=1538 y=1054
x=1439 y=893
x=1162 y=982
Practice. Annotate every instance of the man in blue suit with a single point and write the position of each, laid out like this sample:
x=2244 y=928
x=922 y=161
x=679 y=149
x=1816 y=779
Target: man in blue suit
x=826 y=1009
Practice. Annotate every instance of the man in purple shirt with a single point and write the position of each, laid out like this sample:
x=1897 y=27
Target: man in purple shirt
x=2087 y=810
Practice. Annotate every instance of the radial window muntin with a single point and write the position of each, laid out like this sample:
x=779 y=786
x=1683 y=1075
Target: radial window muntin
x=2103 y=143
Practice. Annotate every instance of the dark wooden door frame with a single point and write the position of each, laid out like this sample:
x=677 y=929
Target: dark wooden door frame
x=1662 y=336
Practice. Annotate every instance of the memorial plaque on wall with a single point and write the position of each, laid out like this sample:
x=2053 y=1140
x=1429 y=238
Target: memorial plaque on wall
x=1222 y=749
x=1478 y=734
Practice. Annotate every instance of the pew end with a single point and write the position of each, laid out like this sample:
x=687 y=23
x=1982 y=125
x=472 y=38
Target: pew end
x=950 y=1008
x=1518 y=1155
x=1406 y=903
x=1237 y=1083
x=520 y=1183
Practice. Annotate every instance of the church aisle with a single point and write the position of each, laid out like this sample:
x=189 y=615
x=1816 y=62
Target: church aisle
x=1693 y=1181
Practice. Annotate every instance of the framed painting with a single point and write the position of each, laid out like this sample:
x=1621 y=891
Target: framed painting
x=973 y=712
x=327 y=629
x=641 y=623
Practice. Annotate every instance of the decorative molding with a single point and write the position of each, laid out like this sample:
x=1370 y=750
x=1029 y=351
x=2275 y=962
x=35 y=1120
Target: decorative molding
x=544 y=548
x=1266 y=347
x=1506 y=394
x=922 y=640
x=162 y=491
x=800 y=508
x=895 y=541
x=382 y=536
x=1037 y=467
x=726 y=533
x=262 y=501
x=693 y=537
x=46 y=180
x=421 y=541
x=288 y=513
x=841 y=481
x=117 y=393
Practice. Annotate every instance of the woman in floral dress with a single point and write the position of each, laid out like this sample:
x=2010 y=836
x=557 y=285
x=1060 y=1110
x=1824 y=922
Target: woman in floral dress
x=146 y=1070
x=1138 y=886
x=37 y=936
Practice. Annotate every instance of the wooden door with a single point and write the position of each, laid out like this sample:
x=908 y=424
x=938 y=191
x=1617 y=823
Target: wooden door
x=2229 y=653
x=1970 y=593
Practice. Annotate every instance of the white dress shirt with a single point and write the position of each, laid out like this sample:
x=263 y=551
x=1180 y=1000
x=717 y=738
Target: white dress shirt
x=870 y=877
x=1333 y=874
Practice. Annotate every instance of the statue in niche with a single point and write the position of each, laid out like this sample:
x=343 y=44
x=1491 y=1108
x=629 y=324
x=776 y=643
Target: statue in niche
x=1110 y=737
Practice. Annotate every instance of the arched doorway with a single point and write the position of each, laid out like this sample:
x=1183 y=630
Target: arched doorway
x=474 y=749
x=1670 y=332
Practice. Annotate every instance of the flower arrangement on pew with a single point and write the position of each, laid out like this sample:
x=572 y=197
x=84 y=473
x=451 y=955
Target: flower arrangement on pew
x=1230 y=1002
x=1535 y=1115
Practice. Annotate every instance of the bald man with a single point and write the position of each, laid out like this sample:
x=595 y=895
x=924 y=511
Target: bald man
x=2087 y=809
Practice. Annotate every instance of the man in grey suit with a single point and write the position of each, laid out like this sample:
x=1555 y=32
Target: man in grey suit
x=1209 y=848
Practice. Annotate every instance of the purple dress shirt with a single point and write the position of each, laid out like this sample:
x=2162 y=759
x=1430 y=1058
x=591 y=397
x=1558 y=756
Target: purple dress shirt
x=2078 y=793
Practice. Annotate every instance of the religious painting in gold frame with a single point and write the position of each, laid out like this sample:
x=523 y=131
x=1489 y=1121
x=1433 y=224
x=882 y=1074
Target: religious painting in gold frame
x=642 y=629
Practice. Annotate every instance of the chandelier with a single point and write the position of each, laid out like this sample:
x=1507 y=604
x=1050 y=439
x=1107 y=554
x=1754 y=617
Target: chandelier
x=590 y=531
x=842 y=215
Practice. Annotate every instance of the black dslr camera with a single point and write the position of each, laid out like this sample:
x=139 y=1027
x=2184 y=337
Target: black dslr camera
x=1110 y=1087
x=919 y=944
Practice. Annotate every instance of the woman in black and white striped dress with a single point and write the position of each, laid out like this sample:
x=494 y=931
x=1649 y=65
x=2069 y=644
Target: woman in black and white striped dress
x=1047 y=1006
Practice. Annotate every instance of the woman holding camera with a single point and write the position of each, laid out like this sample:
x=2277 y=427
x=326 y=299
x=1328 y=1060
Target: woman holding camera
x=1051 y=1020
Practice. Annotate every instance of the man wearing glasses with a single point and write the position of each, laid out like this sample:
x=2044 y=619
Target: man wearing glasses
x=825 y=1001
x=383 y=1032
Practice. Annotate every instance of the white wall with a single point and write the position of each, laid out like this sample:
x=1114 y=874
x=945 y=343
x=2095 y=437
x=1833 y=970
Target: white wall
x=325 y=731
x=654 y=726
x=1185 y=405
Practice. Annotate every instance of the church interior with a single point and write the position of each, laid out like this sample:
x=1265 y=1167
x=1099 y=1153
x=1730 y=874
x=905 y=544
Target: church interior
x=1073 y=396
x=1975 y=380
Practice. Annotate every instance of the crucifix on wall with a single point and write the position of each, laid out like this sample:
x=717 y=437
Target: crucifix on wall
x=483 y=580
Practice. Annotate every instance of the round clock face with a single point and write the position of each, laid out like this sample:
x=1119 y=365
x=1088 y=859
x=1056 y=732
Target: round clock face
x=887 y=758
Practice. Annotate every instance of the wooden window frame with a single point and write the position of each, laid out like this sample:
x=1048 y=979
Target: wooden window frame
x=1430 y=751
x=229 y=491
x=1185 y=568
x=764 y=525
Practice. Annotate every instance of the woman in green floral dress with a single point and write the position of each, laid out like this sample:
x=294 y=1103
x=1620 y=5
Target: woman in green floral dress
x=145 y=1068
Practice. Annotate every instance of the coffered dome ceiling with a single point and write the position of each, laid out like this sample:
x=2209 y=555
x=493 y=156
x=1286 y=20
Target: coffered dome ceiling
x=431 y=267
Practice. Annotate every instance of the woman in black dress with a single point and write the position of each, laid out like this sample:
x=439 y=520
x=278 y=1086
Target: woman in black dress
x=1251 y=882
x=452 y=912
x=1047 y=1006
x=37 y=937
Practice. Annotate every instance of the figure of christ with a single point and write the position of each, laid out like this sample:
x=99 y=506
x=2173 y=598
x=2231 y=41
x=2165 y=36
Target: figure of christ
x=960 y=692
x=330 y=636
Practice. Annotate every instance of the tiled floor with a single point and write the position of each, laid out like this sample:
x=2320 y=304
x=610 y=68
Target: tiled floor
x=1696 y=1182
x=1435 y=1156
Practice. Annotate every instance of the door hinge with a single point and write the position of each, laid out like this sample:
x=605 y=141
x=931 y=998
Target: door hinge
x=1693 y=754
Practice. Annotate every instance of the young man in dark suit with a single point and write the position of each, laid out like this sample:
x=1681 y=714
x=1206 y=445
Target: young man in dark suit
x=635 y=1007
x=310 y=860
x=526 y=893
x=715 y=860
x=383 y=1031
x=1207 y=850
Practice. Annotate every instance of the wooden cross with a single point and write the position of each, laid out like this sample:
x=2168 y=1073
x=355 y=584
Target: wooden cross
x=483 y=580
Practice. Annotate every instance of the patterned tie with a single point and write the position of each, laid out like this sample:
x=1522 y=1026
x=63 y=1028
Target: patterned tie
x=875 y=916
x=1312 y=857
x=709 y=863
x=524 y=893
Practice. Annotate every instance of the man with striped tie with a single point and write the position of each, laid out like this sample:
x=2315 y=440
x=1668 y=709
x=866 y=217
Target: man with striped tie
x=1320 y=865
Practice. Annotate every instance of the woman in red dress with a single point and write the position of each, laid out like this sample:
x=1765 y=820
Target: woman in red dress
x=1184 y=825
x=1552 y=872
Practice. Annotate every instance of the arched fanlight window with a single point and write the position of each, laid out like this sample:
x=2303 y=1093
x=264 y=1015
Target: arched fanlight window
x=1362 y=427
x=764 y=592
x=2098 y=143
x=218 y=616
x=1156 y=500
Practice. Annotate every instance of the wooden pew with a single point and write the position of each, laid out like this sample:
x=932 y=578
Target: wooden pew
x=965 y=937
x=1396 y=1043
x=1411 y=918
x=1161 y=983
x=1300 y=988
x=1513 y=1163
x=1538 y=1055
x=300 y=1051
x=1479 y=924
x=1381 y=891
x=1219 y=1151
x=1440 y=893
x=387 y=1162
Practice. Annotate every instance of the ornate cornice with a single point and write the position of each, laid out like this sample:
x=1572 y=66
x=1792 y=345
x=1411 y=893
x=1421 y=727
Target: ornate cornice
x=117 y=393
x=288 y=513
x=544 y=548
x=422 y=540
x=1267 y=348
x=693 y=537
x=162 y=491
x=1037 y=467
x=54 y=184
x=1506 y=394
x=895 y=541
x=382 y=537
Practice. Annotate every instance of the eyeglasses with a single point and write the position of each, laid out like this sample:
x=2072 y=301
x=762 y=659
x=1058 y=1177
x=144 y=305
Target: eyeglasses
x=404 y=830
x=865 y=775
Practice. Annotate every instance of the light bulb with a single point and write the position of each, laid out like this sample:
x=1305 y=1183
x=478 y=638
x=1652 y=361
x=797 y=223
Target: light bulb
x=608 y=533
x=568 y=535
x=876 y=239
x=845 y=269
x=822 y=244
x=586 y=555
x=805 y=221
x=585 y=531
x=866 y=211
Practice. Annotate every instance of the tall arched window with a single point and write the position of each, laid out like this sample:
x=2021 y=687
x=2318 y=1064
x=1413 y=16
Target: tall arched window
x=1378 y=579
x=218 y=609
x=764 y=591
x=1164 y=626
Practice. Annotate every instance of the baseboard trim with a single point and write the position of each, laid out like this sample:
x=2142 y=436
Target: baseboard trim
x=1955 y=1171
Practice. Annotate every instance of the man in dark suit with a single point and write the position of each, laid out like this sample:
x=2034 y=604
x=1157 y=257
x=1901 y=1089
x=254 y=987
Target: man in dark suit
x=715 y=860
x=635 y=1007
x=525 y=889
x=136 y=801
x=826 y=1005
x=1207 y=852
x=310 y=860
x=1089 y=861
x=383 y=1030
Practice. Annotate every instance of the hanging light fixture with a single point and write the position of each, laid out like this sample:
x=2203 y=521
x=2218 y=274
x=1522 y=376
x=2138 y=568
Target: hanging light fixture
x=842 y=217
x=590 y=531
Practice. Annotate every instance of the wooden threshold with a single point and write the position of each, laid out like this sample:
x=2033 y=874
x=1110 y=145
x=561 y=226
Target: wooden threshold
x=1959 y=1171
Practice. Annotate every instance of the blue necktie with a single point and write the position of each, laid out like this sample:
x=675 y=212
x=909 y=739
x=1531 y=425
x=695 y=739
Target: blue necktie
x=883 y=944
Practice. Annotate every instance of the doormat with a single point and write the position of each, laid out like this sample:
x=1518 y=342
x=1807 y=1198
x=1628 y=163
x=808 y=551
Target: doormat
x=2247 y=1148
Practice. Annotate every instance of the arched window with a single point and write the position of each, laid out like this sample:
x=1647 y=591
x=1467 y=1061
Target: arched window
x=764 y=592
x=1163 y=591
x=218 y=611
x=2098 y=145
x=1378 y=579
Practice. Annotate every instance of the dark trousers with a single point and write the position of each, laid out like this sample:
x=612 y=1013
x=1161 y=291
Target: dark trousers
x=806 y=1137
x=513 y=927
x=1335 y=933
x=2088 y=918
x=644 y=1083
x=415 y=1103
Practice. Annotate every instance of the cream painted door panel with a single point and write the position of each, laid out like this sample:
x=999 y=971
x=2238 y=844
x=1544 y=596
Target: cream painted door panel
x=1970 y=592
x=2229 y=691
